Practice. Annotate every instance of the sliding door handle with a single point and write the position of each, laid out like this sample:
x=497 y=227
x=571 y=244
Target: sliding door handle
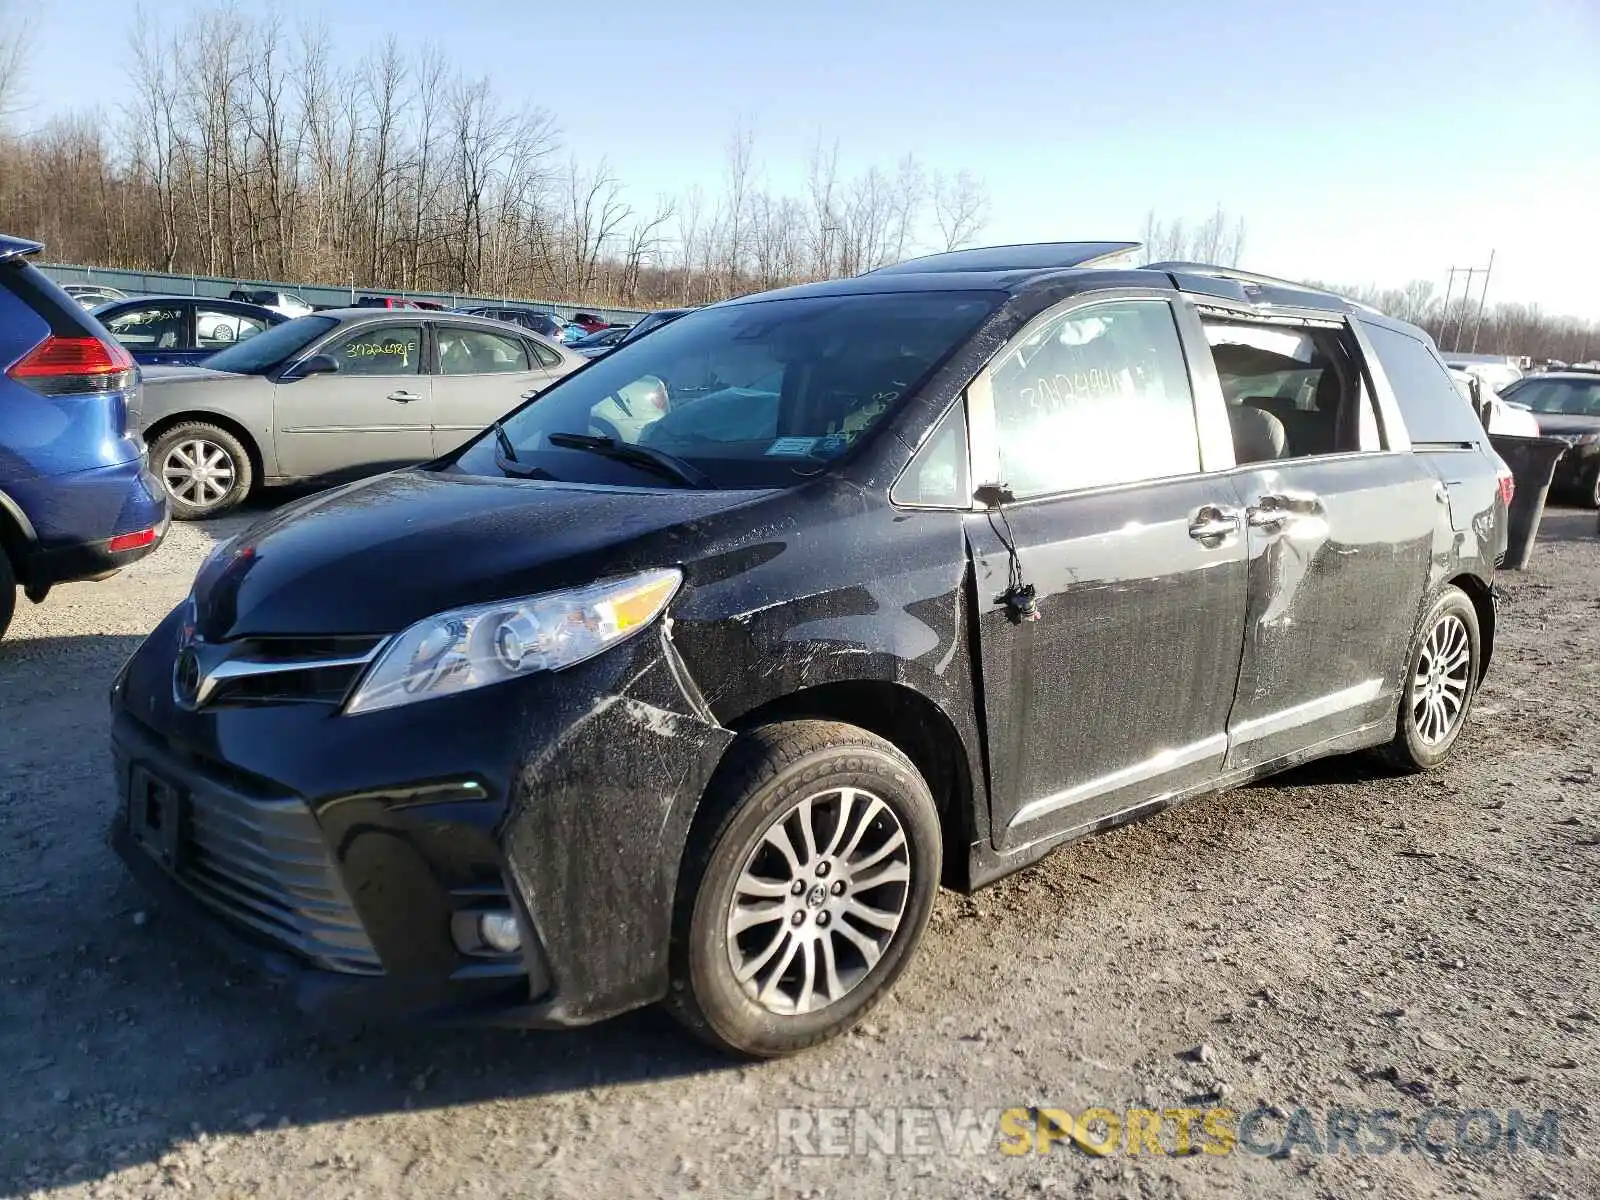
x=404 y=397
x=1213 y=522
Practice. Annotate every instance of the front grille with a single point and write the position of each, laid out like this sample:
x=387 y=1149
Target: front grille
x=263 y=863
x=272 y=670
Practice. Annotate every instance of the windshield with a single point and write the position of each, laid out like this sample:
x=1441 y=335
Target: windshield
x=1566 y=397
x=751 y=395
x=266 y=350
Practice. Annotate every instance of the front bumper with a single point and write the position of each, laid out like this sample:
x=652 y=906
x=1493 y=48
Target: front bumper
x=338 y=853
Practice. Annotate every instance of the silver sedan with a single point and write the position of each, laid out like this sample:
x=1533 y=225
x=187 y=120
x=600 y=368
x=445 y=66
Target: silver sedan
x=333 y=396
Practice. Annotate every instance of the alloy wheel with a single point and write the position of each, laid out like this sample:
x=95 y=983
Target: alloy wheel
x=819 y=900
x=1443 y=676
x=198 y=472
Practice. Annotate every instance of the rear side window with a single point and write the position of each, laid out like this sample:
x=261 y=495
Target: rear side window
x=1096 y=396
x=1434 y=410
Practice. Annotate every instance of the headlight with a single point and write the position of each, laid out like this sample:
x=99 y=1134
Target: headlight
x=470 y=648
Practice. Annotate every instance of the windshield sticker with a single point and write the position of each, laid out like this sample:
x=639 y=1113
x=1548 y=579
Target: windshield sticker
x=791 y=447
x=831 y=446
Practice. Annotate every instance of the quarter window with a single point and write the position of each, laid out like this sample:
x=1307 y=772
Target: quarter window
x=1093 y=397
x=383 y=350
x=477 y=352
x=1434 y=410
x=937 y=476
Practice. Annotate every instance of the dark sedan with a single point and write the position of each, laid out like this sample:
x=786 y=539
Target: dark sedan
x=1567 y=405
x=180 y=331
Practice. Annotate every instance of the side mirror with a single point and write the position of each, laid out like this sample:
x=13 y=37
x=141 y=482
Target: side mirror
x=317 y=364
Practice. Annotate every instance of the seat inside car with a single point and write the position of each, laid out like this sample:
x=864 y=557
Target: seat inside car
x=1258 y=436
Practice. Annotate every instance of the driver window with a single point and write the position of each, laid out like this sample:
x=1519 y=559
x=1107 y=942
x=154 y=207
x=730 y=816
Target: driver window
x=380 y=350
x=1093 y=397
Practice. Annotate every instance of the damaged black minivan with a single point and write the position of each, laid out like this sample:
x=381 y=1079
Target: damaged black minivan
x=694 y=677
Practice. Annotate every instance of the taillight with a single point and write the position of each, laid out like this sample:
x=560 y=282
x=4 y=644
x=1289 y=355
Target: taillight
x=1508 y=485
x=64 y=366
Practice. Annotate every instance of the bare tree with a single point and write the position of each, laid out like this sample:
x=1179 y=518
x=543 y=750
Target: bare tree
x=1219 y=239
x=960 y=209
x=16 y=37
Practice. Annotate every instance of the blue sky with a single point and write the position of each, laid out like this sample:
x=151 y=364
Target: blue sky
x=1366 y=141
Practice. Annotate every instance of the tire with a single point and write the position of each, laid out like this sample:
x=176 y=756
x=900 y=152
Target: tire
x=885 y=859
x=196 y=443
x=1590 y=491
x=8 y=592
x=1449 y=631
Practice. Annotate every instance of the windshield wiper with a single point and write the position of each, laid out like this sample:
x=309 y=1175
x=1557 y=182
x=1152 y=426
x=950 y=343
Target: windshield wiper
x=640 y=456
x=501 y=436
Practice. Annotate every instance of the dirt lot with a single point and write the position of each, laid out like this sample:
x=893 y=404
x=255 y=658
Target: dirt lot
x=1341 y=939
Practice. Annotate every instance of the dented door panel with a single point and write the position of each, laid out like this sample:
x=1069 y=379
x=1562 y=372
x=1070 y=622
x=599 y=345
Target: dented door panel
x=1339 y=551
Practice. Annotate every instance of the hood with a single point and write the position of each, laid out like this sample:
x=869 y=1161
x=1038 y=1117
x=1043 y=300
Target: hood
x=170 y=375
x=376 y=556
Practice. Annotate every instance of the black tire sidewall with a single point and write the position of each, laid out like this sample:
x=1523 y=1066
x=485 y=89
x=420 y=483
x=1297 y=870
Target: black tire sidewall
x=8 y=592
x=1408 y=741
x=243 y=468
x=720 y=1009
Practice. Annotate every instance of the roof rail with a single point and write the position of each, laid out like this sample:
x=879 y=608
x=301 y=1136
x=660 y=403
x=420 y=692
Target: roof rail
x=1212 y=271
x=1030 y=256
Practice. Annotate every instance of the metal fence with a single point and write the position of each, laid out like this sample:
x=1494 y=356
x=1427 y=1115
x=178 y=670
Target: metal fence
x=157 y=283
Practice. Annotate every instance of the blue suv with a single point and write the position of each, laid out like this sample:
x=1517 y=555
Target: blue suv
x=77 y=500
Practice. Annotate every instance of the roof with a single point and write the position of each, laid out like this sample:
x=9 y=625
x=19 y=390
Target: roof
x=1017 y=269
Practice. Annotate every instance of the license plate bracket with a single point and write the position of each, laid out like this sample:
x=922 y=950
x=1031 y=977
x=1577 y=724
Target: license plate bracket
x=156 y=815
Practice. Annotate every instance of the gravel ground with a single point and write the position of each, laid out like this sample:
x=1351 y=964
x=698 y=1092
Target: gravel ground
x=1343 y=938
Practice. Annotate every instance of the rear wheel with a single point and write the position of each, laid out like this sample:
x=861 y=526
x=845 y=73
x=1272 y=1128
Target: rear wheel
x=206 y=470
x=805 y=889
x=1441 y=681
x=8 y=592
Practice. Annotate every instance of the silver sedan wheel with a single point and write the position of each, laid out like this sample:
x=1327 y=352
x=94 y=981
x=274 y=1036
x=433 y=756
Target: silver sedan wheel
x=198 y=472
x=819 y=900
x=1444 y=674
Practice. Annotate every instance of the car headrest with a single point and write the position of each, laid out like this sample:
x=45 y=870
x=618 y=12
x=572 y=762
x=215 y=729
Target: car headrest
x=1257 y=436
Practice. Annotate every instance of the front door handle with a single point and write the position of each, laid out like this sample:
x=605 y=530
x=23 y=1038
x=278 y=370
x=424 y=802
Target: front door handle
x=1213 y=522
x=403 y=396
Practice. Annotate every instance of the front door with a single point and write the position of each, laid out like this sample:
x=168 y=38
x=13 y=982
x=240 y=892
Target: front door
x=1340 y=530
x=1118 y=693
x=373 y=413
x=481 y=376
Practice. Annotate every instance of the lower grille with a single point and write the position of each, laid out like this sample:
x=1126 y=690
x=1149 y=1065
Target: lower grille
x=263 y=864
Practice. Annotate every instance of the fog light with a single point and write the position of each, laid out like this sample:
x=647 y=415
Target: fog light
x=499 y=932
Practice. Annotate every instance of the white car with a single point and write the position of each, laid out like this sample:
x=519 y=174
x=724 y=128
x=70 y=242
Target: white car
x=1505 y=417
x=287 y=303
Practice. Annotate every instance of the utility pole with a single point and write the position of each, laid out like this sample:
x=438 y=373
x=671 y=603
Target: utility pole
x=1482 y=300
x=1466 y=299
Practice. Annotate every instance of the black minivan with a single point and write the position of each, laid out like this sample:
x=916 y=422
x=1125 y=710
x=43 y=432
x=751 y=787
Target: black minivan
x=694 y=677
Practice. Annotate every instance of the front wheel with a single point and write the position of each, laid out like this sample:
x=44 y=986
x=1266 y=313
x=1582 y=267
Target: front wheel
x=806 y=887
x=206 y=470
x=1441 y=682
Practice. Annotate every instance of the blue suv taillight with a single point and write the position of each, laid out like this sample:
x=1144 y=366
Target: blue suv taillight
x=67 y=366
